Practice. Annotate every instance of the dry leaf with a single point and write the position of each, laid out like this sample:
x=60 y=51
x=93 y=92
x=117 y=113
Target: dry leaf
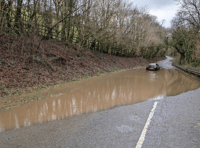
x=198 y=125
x=194 y=146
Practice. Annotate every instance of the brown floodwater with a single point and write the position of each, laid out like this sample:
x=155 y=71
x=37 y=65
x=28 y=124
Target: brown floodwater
x=101 y=93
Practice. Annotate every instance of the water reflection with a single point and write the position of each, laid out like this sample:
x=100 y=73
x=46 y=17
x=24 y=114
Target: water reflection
x=109 y=91
x=152 y=75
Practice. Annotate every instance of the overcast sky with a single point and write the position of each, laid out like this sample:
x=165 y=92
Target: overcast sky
x=163 y=9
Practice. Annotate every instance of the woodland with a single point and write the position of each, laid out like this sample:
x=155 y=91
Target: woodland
x=43 y=42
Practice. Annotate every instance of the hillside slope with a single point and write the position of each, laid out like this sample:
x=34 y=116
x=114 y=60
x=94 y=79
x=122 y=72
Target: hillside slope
x=28 y=64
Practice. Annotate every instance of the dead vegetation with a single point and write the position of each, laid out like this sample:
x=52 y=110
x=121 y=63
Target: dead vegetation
x=32 y=67
x=47 y=42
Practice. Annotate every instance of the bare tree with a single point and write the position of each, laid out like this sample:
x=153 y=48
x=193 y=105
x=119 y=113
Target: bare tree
x=189 y=13
x=110 y=26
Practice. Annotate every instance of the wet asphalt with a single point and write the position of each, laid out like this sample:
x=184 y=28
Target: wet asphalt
x=175 y=124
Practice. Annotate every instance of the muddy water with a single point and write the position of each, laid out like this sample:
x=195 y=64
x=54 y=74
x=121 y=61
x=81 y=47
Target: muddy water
x=100 y=93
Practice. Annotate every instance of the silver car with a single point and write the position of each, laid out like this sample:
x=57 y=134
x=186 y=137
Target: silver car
x=153 y=66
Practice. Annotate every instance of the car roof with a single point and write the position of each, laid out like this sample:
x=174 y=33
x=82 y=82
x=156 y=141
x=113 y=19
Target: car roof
x=152 y=63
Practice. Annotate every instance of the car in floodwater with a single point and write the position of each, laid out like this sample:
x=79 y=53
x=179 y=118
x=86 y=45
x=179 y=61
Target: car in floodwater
x=152 y=66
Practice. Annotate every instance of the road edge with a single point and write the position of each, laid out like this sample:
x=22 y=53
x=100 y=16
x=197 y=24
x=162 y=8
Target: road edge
x=187 y=70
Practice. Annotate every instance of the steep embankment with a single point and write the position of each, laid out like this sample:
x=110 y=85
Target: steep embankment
x=31 y=64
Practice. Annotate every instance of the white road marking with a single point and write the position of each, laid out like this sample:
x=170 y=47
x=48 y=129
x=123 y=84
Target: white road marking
x=143 y=134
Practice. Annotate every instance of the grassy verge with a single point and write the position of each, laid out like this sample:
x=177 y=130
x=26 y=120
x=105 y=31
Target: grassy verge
x=188 y=66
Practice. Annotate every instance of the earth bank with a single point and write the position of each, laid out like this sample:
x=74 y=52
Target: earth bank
x=24 y=68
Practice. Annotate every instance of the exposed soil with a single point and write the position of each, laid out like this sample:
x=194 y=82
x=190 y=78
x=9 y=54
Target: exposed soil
x=27 y=64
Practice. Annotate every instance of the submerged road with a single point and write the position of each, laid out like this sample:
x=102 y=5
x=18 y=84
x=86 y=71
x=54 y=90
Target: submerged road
x=161 y=122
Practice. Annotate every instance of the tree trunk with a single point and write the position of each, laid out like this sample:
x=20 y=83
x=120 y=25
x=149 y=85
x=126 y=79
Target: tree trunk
x=8 y=13
x=18 y=24
x=182 y=58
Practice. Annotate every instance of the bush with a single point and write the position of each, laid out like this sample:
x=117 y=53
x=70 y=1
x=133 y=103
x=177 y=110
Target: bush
x=195 y=62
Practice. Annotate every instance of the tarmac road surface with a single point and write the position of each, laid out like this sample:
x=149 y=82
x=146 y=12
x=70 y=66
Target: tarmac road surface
x=166 y=122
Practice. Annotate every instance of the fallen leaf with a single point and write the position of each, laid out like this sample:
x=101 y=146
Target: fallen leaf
x=198 y=125
x=194 y=146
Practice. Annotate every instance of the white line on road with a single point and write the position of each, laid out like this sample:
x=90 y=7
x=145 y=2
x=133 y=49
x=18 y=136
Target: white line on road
x=142 y=136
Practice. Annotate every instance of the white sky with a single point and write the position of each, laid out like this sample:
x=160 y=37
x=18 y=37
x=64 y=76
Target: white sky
x=163 y=9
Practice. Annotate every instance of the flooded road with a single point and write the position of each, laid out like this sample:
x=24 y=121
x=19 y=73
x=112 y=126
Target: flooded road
x=95 y=94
